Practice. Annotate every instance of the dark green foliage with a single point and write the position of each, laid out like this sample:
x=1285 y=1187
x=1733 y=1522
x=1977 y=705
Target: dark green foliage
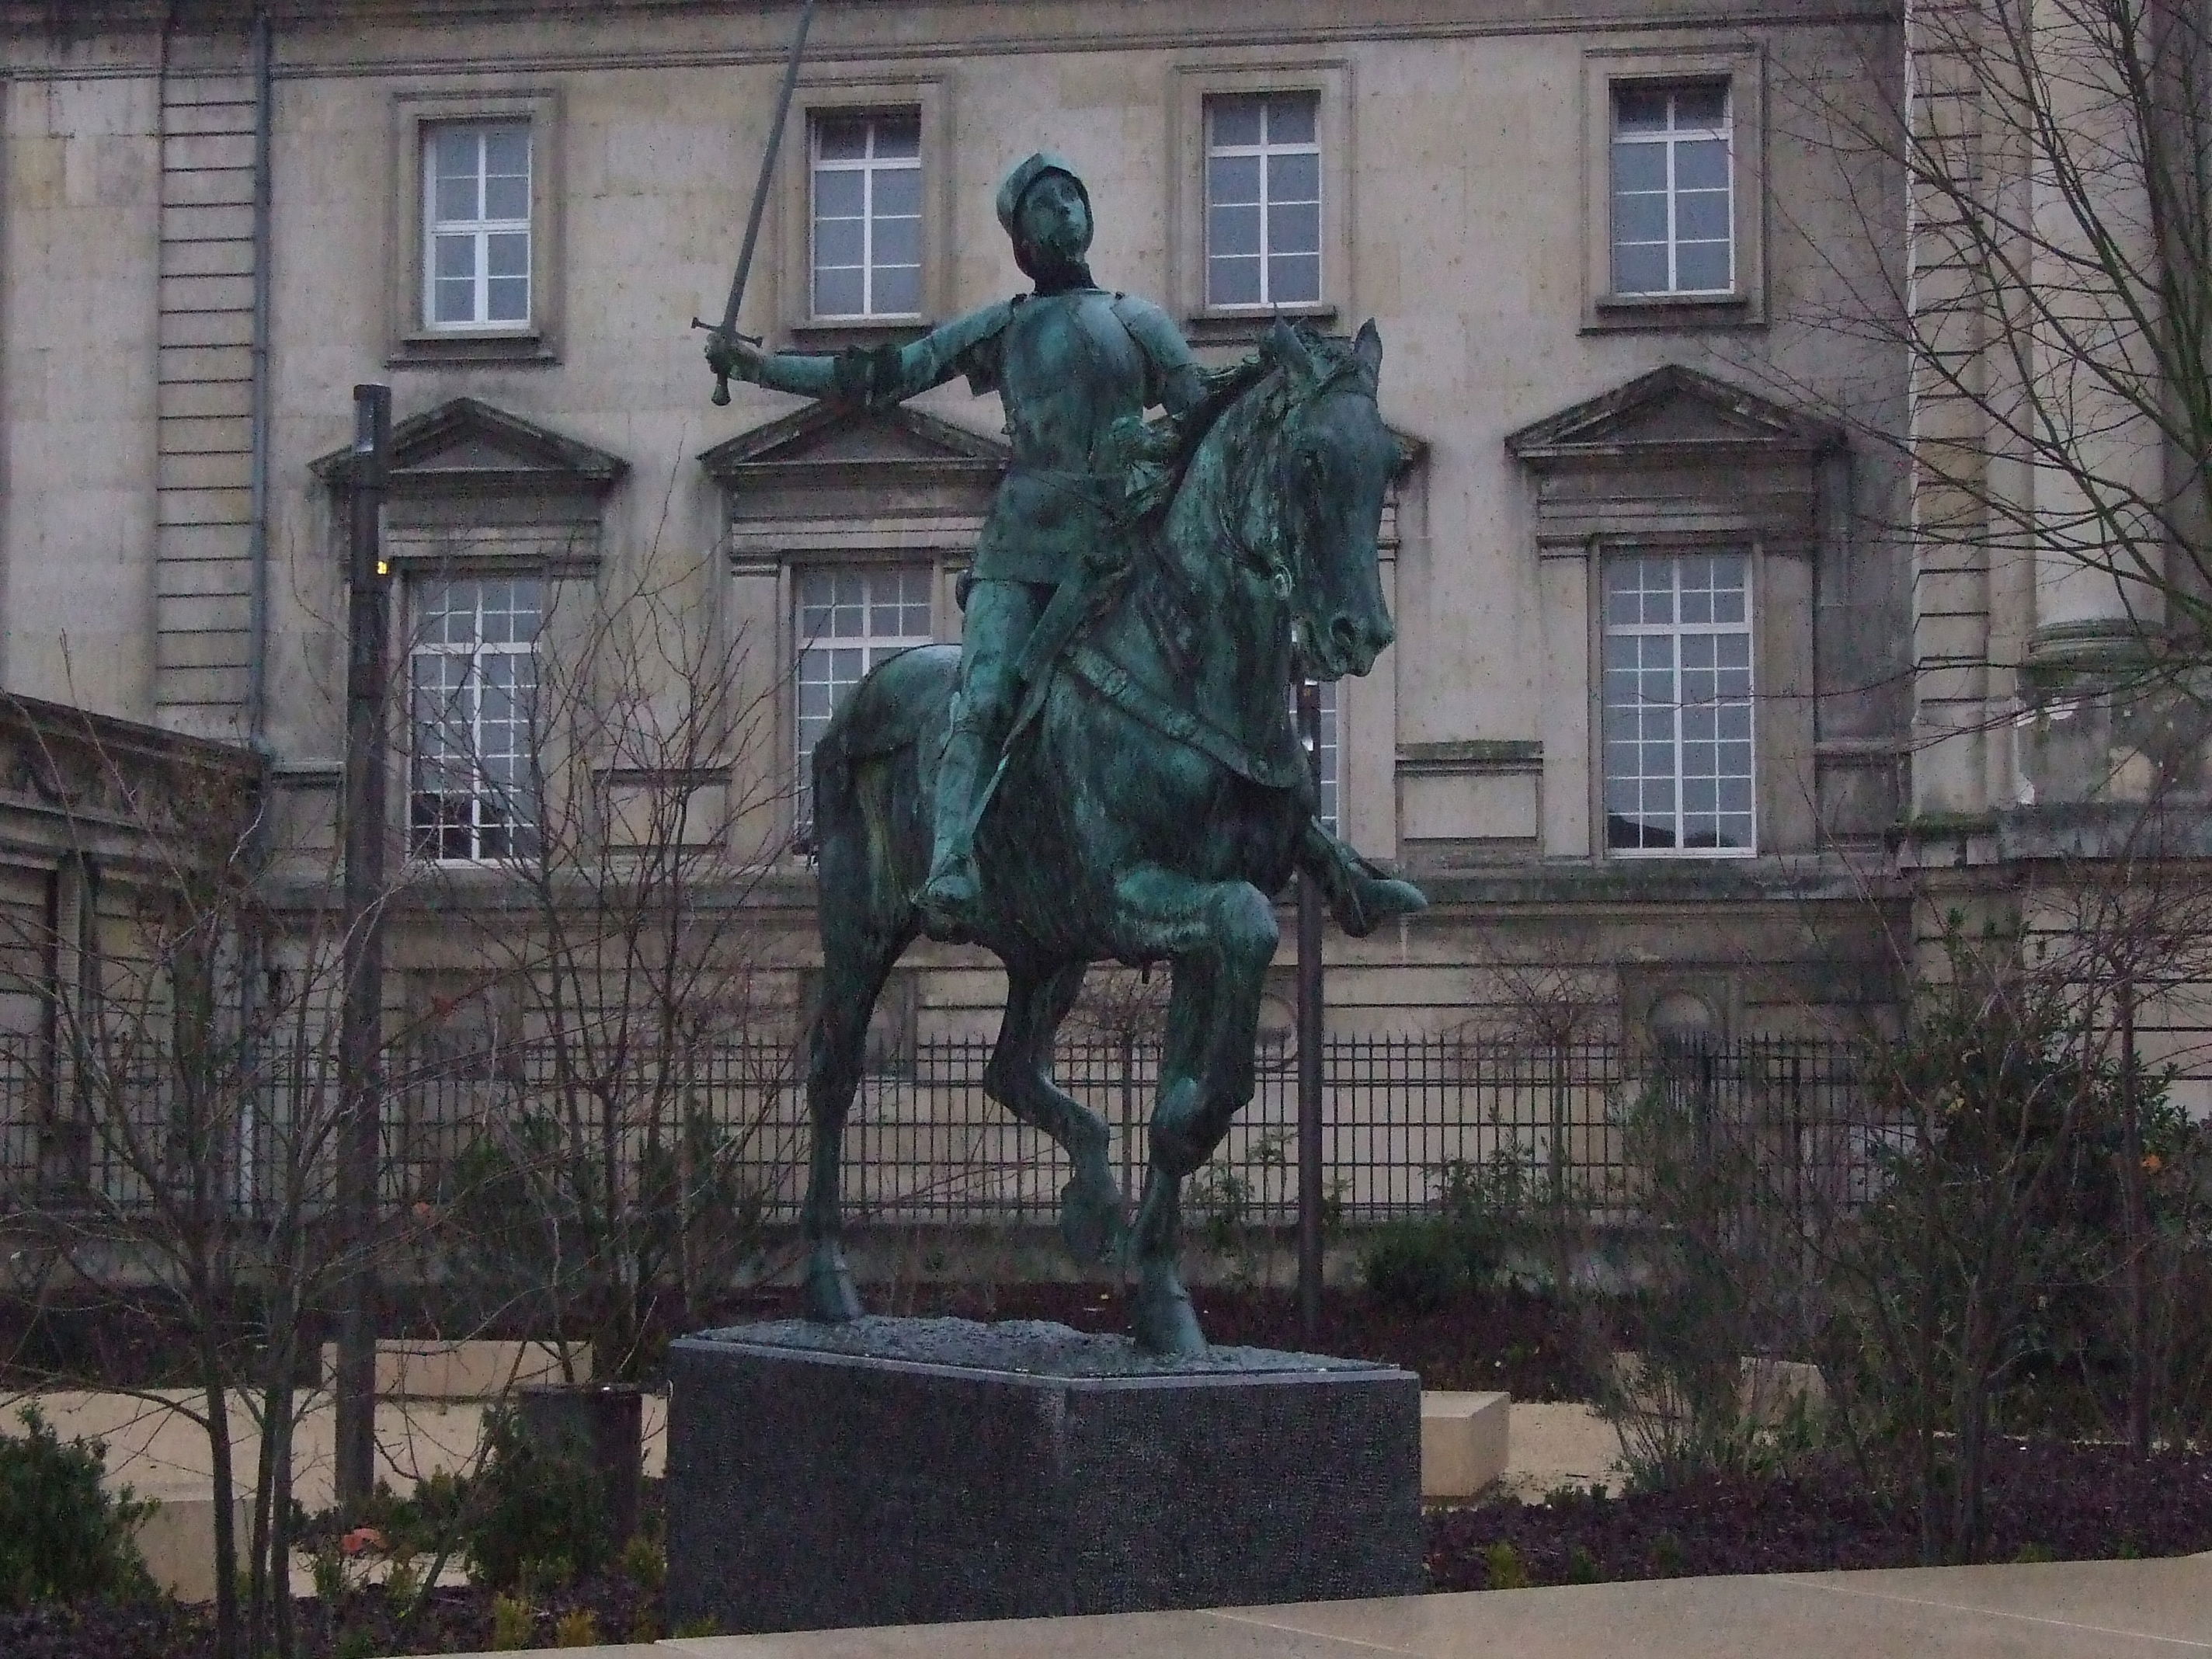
x=63 y=1537
x=1485 y=1216
x=533 y=1517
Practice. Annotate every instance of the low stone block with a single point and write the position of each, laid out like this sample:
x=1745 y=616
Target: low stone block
x=1463 y=1442
x=178 y=1543
x=911 y=1471
x=464 y=1371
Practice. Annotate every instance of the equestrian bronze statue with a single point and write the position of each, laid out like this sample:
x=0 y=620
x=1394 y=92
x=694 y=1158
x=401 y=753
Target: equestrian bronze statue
x=1105 y=769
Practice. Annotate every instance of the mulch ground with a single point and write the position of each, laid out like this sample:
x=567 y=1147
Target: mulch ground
x=2046 y=1502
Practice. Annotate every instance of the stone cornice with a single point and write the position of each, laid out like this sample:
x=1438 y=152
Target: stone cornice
x=325 y=37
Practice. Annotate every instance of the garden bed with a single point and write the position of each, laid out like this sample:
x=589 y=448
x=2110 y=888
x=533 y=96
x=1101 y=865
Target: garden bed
x=2044 y=1502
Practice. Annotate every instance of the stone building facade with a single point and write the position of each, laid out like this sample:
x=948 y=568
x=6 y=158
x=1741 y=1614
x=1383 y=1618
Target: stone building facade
x=1643 y=735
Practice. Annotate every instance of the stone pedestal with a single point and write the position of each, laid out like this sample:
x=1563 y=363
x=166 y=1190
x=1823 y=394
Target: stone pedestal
x=906 y=1471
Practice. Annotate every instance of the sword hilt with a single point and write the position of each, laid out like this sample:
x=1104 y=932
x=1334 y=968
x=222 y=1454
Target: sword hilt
x=721 y=394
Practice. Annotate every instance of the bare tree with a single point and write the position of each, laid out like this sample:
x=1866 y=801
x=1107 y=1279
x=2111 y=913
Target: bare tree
x=181 y=1094
x=623 y=1133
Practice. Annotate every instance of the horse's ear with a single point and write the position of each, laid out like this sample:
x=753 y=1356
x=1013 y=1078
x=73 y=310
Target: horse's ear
x=1367 y=347
x=1284 y=345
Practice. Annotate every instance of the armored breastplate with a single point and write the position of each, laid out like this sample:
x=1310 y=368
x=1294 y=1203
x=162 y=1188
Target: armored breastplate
x=1071 y=369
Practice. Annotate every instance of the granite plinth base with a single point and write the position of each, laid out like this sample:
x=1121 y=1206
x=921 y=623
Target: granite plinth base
x=913 y=1471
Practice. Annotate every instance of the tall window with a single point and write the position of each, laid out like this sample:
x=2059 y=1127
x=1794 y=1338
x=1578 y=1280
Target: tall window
x=476 y=208
x=1677 y=704
x=1263 y=199
x=1673 y=200
x=868 y=214
x=473 y=678
x=849 y=621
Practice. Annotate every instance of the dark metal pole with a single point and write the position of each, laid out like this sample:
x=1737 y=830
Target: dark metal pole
x=361 y=1023
x=1309 y=1041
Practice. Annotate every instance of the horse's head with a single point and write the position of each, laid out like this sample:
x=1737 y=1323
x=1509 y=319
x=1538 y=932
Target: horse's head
x=1335 y=459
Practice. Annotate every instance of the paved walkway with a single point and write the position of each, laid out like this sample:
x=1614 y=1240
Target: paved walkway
x=2065 y=1610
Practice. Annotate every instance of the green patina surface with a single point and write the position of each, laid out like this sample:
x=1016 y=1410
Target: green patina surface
x=1105 y=769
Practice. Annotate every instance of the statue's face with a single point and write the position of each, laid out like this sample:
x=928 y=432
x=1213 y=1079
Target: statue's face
x=1054 y=219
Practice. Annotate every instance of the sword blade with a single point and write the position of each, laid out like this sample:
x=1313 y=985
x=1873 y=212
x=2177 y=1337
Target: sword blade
x=767 y=179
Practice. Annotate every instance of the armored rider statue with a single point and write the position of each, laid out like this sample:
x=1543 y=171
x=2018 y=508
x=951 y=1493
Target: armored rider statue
x=1070 y=362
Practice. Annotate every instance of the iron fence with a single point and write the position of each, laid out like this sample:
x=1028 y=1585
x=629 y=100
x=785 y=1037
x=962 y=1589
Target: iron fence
x=1405 y=1119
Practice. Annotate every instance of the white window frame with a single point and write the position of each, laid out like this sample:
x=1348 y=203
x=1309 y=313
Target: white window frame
x=1329 y=809
x=1740 y=68
x=477 y=230
x=918 y=579
x=1668 y=141
x=413 y=339
x=1265 y=152
x=870 y=166
x=1682 y=707
x=479 y=791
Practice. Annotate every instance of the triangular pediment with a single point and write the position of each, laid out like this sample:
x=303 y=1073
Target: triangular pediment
x=467 y=445
x=839 y=440
x=1673 y=412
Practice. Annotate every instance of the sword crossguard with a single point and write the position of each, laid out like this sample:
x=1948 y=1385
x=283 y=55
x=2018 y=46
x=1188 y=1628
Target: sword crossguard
x=721 y=393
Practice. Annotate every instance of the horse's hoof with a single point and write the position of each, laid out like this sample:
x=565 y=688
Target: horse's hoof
x=830 y=1297
x=1164 y=1321
x=1374 y=900
x=1091 y=1220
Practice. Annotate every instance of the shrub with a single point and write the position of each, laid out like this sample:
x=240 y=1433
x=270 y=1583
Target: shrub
x=62 y=1537
x=533 y=1511
x=1414 y=1267
x=1507 y=1570
x=513 y=1624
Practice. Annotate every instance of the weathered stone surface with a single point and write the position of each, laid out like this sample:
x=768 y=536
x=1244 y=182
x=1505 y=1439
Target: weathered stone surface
x=900 y=1471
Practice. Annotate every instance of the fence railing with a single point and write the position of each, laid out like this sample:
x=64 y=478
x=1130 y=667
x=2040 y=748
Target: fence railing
x=1403 y=1118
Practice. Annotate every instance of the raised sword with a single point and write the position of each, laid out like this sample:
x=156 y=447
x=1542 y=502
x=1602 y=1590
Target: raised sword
x=728 y=330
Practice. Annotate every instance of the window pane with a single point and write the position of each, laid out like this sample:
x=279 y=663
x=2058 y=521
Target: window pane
x=841 y=137
x=1702 y=266
x=1290 y=117
x=1699 y=164
x=1232 y=179
x=1639 y=109
x=838 y=242
x=455 y=255
x=898 y=137
x=1233 y=231
x=508 y=300
x=508 y=254
x=1294 y=177
x=1294 y=279
x=898 y=241
x=840 y=192
x=1639 y=167
x=898 y=289
x=506 y=198
x=455 y=199
x=453 y=302
x=1294 y=230
x=1639 y=218
x=1639 y=269
x=1701 y=106
x=1232 y=282
x=1236 y=120
x=507 y=151
x=899 y=190
x=839 y=293
x=1701 y=216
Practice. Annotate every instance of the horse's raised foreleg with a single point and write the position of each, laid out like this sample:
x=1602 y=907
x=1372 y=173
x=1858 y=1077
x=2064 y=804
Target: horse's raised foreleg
x=1222 y=936
x=1019 y=1078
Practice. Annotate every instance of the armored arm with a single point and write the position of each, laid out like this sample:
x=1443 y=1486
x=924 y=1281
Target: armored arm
x=1178 y=383
x=876 y=376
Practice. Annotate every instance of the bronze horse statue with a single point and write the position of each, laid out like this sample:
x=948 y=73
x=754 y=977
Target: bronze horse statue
x=1148 y=809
